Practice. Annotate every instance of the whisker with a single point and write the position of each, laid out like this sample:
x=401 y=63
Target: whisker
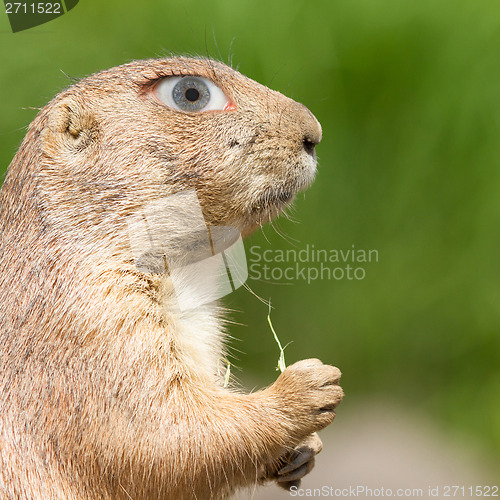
x=264 y=301
x=291 y=241
x=286 y=213
x=229 y=55
x=263 y=232
x=216 y=44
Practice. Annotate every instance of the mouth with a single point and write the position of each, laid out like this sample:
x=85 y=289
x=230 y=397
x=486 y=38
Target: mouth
x=273 y=200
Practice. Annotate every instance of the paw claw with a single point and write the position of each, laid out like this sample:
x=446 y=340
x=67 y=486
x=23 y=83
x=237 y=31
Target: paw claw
x=296 y=473
x=287 y=486
x=300 y=462
x=299 y=457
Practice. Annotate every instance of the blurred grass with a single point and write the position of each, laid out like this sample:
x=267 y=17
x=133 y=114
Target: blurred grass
x=408 y=96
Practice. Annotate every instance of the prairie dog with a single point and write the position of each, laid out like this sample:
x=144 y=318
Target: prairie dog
x=107 y=389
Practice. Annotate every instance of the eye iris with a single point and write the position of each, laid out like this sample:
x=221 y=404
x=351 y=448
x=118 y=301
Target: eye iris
x=191 y=94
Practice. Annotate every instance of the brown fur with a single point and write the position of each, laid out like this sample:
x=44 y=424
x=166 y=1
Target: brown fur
x=102 y=391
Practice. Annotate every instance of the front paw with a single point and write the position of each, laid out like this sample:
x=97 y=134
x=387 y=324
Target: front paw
x=299 y=462
x=310 y=392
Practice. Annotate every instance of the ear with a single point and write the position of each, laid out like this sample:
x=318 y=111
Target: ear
x=70 y=126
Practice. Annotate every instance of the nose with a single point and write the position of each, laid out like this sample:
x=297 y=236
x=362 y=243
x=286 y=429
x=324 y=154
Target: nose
x=310 y=129
x=309 y=146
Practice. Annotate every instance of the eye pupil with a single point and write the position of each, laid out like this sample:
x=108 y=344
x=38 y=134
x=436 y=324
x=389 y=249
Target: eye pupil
x=192 y=94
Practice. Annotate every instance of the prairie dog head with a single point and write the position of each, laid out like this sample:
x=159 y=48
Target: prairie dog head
x=131 y=134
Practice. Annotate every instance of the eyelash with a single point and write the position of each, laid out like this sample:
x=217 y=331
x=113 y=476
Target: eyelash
x=150 y=82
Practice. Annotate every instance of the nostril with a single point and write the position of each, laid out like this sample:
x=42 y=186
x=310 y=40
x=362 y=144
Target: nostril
x=309 y=146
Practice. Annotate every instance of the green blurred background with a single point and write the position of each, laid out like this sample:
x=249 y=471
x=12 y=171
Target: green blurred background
x=408 y=97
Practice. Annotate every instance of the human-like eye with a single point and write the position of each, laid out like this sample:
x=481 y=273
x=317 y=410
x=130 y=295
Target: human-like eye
x=191 y=93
